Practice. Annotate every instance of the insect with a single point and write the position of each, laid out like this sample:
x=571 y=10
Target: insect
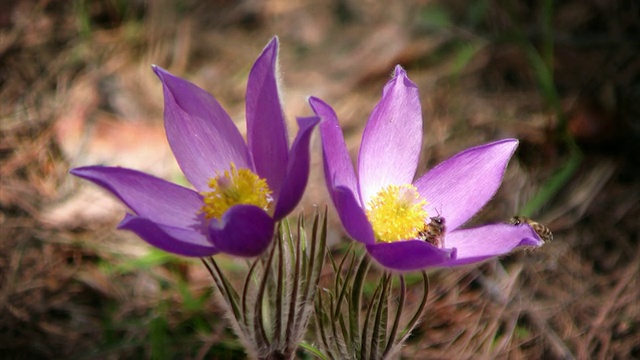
x=433 y=232
x=545 y=234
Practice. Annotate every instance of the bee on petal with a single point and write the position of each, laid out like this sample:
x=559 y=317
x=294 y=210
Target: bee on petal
x=433 y=232
x=545 y=234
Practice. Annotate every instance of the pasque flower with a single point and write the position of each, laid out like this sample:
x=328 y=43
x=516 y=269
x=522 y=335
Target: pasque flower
x=393 y=215
x=241 y=190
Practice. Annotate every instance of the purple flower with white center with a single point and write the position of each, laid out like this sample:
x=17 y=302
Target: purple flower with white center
x=396 y=217
x=241 y=190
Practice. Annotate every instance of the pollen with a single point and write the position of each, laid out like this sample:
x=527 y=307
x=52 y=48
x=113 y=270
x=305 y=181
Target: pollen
x=397 y=213
x=235 y=187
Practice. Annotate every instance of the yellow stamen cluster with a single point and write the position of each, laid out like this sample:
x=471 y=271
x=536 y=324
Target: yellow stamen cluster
x=235 y=187
x=397 y=213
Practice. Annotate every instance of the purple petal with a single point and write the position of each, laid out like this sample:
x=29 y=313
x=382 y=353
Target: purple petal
x=149 y=197
x=338 y=168
x=297 y=169
x=352 y=216
x=202 y=136
x=459 y=187
x=392 y=138
x=266 y=128
x=244 y=230
x=410 y=255
x=340 y=175
x=481 y=243
x=176 y=240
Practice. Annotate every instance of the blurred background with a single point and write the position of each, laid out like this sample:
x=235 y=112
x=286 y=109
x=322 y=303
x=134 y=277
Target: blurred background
x=76 y=88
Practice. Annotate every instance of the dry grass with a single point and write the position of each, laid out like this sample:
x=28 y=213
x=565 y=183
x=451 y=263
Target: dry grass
x=76 y=89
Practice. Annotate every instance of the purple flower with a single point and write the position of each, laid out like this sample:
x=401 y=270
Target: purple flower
x=396 y=217
x=241 y=190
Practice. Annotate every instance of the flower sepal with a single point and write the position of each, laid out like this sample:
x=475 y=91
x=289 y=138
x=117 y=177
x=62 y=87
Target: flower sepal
x=409 y=255
x=244 y=230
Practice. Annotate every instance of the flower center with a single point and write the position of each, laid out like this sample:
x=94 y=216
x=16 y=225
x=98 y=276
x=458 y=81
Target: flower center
x=397 y=213
x=235 y=187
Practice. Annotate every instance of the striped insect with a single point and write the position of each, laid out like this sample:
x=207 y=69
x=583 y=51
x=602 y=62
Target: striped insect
x=545 y=234
x=433 y=232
